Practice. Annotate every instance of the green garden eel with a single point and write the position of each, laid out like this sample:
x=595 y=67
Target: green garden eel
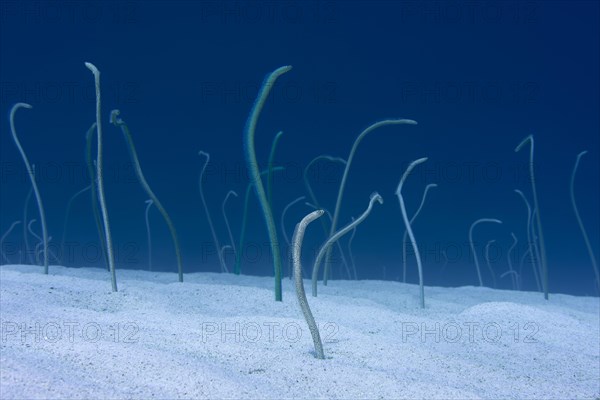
x=375 y=197
x=296 y=250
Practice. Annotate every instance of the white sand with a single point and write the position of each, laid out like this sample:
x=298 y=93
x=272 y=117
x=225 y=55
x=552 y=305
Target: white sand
x=224 y=336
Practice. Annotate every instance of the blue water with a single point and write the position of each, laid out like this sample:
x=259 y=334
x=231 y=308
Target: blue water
x=478 y=78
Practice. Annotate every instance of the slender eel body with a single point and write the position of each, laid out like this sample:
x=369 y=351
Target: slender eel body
x=296 y=250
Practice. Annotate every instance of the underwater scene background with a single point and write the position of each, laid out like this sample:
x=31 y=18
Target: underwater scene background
x=477 y=77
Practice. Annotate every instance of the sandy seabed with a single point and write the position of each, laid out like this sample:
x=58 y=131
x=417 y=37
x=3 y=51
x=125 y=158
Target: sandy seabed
x=66 y=335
